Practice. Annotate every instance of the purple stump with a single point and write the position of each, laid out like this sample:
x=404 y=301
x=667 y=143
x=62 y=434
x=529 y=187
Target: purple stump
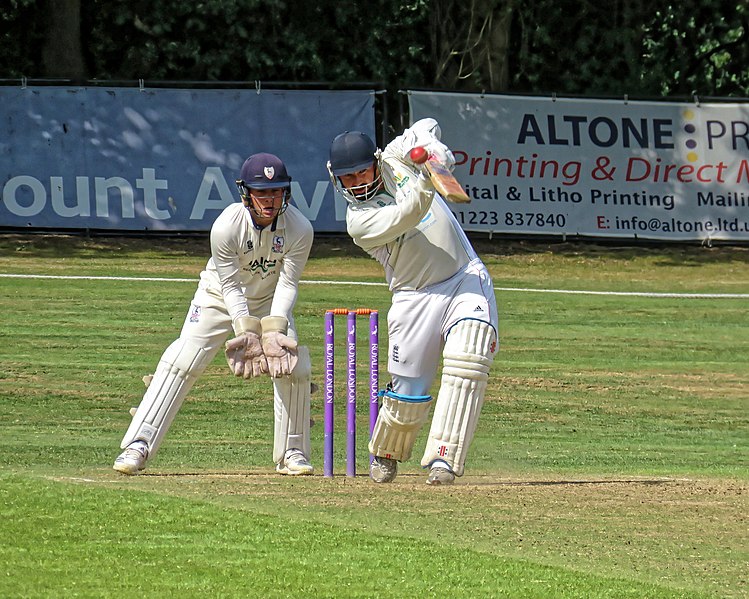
x=374 y=372
x=351 y=392
x=329 y=380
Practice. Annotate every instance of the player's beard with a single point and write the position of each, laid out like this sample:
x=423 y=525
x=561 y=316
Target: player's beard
x=365 y=192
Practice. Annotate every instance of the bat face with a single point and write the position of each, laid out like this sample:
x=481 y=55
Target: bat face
x=445 y=183
x=442 y=179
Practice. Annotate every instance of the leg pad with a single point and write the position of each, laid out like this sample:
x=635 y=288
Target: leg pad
x=467 y=360
x=398 y=423
x=180 y=366
x=291 y=408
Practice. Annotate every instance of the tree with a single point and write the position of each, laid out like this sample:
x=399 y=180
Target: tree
x=62 y=53
x=635 y=47
x=21 y=38
x=702 y=49
x=470 y=43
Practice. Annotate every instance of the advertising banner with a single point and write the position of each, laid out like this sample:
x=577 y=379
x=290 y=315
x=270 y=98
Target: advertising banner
x=163 y=159
x=598 y=168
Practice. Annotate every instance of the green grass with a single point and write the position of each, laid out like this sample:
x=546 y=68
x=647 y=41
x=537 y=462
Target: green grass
x=610 y=459
x=88 y=540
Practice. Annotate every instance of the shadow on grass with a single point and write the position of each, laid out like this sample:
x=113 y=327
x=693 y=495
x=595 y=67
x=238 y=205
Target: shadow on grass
x=471 y=481
x=665 y=254
x=85 y=244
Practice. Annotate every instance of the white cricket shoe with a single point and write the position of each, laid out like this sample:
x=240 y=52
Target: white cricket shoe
x=440 y=476
x=295 y=463
x=383 y=470
x=133 y=459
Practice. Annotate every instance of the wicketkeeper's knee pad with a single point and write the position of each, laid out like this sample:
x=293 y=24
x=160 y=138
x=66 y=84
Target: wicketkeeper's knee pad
x=398 y=423
x=468 y=355
x=291 y=408
x=180 y=366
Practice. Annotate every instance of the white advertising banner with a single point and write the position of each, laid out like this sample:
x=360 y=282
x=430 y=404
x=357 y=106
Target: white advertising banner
x=598 y=168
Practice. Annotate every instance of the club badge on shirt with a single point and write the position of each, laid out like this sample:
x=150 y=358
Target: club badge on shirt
x=278 y=244
x=195 y=314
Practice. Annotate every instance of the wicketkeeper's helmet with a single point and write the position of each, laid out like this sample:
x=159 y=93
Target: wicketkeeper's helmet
x=264 y=171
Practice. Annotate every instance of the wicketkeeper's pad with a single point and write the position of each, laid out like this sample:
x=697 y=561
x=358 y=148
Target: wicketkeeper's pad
x=180 y=366
x=291 y=408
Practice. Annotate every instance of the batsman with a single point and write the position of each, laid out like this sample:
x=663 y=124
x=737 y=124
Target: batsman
x=443 y=306
x=247 y=291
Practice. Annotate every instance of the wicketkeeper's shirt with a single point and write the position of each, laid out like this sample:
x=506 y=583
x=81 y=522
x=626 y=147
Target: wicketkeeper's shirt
x=251 y=267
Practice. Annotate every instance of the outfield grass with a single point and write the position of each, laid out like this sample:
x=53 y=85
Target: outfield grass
x=610 y=460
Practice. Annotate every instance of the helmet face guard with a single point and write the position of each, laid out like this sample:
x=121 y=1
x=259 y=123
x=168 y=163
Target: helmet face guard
x=358 y=193
x=350 y=152
x=244 y=193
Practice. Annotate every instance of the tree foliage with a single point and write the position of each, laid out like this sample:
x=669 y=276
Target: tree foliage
x=704 y=50
x=636 y=47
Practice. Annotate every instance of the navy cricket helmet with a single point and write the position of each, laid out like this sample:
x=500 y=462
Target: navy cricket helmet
x=351 y=151
x=264 y=171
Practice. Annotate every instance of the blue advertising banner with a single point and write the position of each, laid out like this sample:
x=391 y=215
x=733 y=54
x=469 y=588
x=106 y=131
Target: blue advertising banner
x=163 y=159
x=600 y=168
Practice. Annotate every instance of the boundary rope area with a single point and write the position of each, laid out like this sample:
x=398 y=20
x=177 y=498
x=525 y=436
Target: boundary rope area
x=303 y=282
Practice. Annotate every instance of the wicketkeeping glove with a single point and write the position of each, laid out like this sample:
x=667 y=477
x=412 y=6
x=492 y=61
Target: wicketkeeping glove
x=244 y=353
x=280 y=350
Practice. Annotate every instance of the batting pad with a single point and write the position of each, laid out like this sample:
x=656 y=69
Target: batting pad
x=180 y=366
x=398 y=423
x=467 y=360
x=291 y=408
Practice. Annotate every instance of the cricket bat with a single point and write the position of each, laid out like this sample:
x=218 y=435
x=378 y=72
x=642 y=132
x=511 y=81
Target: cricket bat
x=442 y=179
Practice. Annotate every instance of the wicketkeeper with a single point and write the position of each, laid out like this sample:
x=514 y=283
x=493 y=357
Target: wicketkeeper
x=247 y=291
x=443 y=306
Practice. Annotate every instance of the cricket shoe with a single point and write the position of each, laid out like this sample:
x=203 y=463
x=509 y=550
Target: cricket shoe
x=383 y=470
x=133 y=459
x=295 y=463
x=439 y=475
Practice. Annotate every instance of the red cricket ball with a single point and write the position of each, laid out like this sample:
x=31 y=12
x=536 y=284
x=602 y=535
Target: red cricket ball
x=418 y=155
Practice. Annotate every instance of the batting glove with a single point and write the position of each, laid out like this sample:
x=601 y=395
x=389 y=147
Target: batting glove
x=437 y=150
